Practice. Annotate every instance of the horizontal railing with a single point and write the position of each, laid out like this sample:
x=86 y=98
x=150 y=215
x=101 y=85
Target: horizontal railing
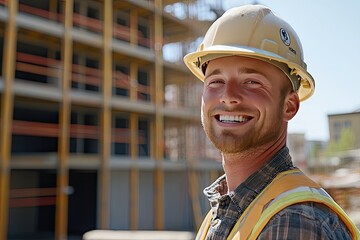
x=41 y=13
x=42 y=129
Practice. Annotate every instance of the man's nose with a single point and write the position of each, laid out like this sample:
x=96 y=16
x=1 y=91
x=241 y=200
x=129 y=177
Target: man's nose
x=231 y=93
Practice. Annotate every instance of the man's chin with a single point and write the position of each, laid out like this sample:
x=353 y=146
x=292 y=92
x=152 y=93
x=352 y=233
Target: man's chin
x=230 y=144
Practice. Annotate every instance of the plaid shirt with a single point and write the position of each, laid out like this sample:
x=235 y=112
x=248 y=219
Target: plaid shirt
x=300 y=221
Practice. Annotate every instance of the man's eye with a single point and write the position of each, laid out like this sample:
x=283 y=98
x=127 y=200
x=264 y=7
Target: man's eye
x=253 y=82
x=216 y=81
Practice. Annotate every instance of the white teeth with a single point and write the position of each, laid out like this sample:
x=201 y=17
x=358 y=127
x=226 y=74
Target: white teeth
x=226 y=118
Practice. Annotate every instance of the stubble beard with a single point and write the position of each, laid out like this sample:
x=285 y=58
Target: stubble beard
x=228 y=142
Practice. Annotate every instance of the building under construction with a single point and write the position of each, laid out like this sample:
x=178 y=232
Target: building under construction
x=100 y=118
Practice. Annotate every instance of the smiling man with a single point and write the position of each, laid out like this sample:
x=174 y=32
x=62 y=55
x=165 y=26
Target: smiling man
x=251 y=63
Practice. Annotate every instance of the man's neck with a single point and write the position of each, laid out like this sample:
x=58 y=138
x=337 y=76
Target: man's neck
x=239 y=166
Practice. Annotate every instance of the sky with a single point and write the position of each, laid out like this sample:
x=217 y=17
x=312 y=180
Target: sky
x=330 y=35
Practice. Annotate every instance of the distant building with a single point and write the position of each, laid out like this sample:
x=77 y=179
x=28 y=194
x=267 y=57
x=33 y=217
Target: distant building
x=339 y=122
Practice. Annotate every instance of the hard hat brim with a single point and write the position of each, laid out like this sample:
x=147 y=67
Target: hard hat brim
x=192 y=61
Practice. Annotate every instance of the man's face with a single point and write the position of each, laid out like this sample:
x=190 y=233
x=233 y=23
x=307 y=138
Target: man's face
x=242 y=104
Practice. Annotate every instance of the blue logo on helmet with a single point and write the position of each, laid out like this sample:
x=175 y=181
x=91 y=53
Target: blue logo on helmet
x=285 y=37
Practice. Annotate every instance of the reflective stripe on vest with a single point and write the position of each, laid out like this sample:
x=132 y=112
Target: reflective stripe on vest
x=286 y=189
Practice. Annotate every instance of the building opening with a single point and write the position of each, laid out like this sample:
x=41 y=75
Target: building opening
x=82 y=201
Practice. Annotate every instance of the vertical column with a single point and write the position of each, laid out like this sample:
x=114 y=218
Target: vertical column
x=133 y=81
x=106 y=116
x=159 y=116
x=194 y=195
x=6 y=114
x=53 y=9
x=133 y=27
x=64 y=124
x=134 y=173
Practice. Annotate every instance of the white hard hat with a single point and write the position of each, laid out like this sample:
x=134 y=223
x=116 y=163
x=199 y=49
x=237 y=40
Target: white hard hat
x=254 y=31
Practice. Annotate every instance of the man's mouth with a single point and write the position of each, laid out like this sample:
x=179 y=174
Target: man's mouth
x=232 y=119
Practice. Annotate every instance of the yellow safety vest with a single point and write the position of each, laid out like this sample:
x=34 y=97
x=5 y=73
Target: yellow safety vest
x=288 y=188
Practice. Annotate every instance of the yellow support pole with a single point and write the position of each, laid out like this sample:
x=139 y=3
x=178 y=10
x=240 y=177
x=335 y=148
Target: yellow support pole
x=53 y=8
x=133 y=27
x=159 y=116
x=61 y=216
x=133 y=81
x=7 y=103
x=106 y=116
x=134 y=173
x=194 y=195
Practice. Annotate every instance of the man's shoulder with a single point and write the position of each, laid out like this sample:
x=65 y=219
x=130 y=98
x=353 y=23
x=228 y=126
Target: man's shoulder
x=307 y=220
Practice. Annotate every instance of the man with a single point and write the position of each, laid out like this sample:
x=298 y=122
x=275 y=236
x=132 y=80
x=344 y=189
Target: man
x=251 y=63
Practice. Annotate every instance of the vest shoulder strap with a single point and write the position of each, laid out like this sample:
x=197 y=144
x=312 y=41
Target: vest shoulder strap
x=285 y=181
x=299 y=197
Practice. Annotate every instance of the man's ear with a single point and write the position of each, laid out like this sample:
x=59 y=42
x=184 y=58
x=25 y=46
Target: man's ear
x=291 y=105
